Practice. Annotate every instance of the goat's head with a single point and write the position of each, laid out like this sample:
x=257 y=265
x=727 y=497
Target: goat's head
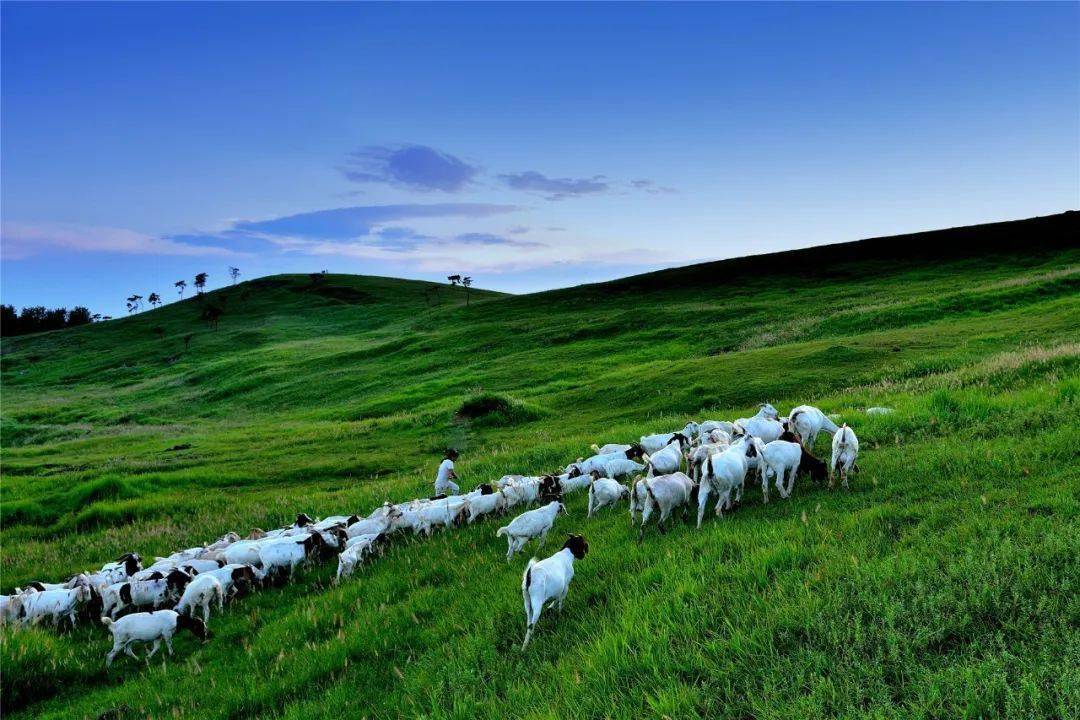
x=768 y=411
x=574 y=471
x=635 y=451
x=193 y=625
x=303 y=520
x=131 y=561
x=315 y=546
x=256 y=534
x=485 y=489
x=177 y=580
x=577 y=546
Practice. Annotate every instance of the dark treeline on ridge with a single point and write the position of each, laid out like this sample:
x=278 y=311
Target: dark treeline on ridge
x=39 y=319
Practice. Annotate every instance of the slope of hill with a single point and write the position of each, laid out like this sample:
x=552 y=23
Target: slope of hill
x=943 y=584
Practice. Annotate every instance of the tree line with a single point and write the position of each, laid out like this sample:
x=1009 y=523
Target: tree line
x=39 y=319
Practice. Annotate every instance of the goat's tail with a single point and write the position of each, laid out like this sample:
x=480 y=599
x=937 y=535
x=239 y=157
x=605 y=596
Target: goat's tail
x=502 y=531
x=595 y=448
x=106 y=621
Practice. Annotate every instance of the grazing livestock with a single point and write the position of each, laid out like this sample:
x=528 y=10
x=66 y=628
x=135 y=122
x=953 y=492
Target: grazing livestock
x=549 y=579
x=664 y=493
x=124 y=567
x=201 y=592
x=669 y=459
x=609 y=448
x=529 y=525
x=599 y=462
x=54 y=605
x=653 y=443
x=149 y=627
x=807 y=421
x=379 y=521
x=237 y=579
x=197 y=567
x=845 y=450
x=604 y=492
x=10 y=607
x=280 y=559
x=155 y=592
x=705 y=428
x=782 y=458
x=725 y=473
x=353 y=555
x=486 y=504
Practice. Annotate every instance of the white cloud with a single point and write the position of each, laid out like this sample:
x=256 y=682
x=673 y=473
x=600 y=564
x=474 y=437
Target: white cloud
x=22 y=240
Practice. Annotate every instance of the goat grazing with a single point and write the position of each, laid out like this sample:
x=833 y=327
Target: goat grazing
x=807 y=421
x=845 y=450
x=604 y=492
x=201 y=592
x=664 y=493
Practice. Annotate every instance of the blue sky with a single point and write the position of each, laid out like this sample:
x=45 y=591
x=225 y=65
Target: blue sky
x=531 y=146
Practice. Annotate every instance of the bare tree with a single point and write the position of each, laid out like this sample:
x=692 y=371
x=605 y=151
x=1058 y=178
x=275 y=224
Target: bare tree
x=467 y=282
x=200 y=283
x=180 y=285
x=154 y=299
x=234 y=273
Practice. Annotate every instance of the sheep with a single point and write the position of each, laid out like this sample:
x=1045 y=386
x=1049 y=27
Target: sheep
x=845 y=450
x=786 y=458
x=152 y=627
x=653 y=443
x=282 y=557
x=201 y=592
x=528 y=525
x=604 y=492
x=486 y=504
x=53 y=604
x=725 y=473
x=664 y=493
x=236 y=578
x=549 y=579
x=669 y=459
x=807 y=421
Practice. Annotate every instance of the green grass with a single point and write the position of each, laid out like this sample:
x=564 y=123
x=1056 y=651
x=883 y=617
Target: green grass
x=945 y=583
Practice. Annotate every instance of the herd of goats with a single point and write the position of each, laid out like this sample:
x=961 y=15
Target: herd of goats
x=151 y=604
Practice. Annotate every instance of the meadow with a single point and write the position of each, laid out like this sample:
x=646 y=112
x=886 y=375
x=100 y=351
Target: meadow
x=944 y=584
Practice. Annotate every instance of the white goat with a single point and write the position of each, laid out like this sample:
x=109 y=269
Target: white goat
x=653 y=443
x=148 y=627
x=668 y=459
x=664 y=493
x=201 y=592
x=807 y=421
x=54 y=605
x=529 y=525
x=845 y=450
x=725 y=474
x=359 y=547
x=487 y=504
x=604 y=492
x=549 y=579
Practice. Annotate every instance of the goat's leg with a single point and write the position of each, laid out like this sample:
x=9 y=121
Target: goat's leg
x=154 y=648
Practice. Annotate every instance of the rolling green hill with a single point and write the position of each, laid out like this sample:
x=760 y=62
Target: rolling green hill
x=944 y=584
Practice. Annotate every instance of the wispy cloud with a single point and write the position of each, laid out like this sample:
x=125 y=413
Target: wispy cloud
x=352 y=222
x=416 y=167
x=21 y=240
x=490 y=239
x=651 y=187
x=554 y=188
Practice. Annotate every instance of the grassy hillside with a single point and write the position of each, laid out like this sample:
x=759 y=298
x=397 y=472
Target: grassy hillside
x=944 y=584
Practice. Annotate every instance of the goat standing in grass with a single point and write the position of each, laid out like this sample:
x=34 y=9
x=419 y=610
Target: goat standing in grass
x=845 y=450
x=549 y=579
